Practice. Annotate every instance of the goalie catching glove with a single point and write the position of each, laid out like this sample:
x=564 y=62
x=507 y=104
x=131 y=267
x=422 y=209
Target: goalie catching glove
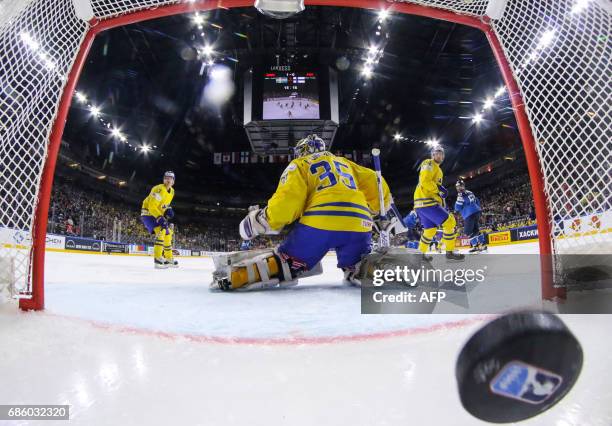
x=254 y=224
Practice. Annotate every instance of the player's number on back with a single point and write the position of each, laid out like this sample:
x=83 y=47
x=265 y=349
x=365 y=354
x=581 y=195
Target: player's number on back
x=327 y=176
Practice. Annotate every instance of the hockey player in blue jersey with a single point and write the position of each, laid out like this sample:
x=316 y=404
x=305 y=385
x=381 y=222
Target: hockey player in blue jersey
x=468 y=206
x=411 y=222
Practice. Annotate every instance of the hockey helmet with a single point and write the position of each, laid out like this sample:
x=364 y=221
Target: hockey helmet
x=309 y=145
x=437 y=148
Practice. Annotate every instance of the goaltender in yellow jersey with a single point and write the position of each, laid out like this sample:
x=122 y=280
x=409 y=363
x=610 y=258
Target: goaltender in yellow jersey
x=325 y=192
x=332 y=202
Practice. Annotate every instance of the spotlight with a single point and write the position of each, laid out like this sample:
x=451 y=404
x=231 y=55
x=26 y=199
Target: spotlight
x=367 y=72
x=198 y=19
x=144 y=148
x=580 y=6
x=500 y=91
x=547 y=38
x=208 y=50
x=116 y=133
x=397 y=137
x=477 y=118
x=488 y=103
x=432 y=143
x=29 y=41
x=383 y=14
x=81 y=97
x=373 y=50
x=95 y=111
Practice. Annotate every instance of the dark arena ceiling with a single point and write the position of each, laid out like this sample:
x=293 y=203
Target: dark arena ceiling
x=147 y=80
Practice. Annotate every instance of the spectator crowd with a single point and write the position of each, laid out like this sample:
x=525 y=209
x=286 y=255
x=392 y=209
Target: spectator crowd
x=80 y=212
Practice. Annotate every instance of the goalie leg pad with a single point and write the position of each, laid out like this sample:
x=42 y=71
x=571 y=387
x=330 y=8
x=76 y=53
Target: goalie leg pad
x=257 y=269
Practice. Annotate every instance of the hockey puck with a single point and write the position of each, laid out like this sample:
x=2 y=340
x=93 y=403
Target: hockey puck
x=517 y=366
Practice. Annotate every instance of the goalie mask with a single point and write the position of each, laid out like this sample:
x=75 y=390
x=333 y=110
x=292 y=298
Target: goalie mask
x=309 y=145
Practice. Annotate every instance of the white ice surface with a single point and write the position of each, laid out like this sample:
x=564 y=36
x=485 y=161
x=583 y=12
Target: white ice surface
x=124 y=344
x=272 y=111
x=127 y=291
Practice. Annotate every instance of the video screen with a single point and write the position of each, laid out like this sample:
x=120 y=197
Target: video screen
x=291 y=95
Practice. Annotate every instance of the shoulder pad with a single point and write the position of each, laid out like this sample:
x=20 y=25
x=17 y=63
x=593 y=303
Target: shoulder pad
x=426 y=165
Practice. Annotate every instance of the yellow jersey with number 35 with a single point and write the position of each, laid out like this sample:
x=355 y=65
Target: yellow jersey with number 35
x=326 y=192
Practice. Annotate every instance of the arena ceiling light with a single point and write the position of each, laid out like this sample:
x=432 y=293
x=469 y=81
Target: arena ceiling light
x=432 y=143
x=81 y=97
x=144 y=148
x=280 y=9
x=477 y=118
x=29 y=41
x=580 y=5
x=117 y=133
x=547 y=38
x=94 y=110
x=198 y=19
x=208 y=50
x=367 y=72
x=383 y=14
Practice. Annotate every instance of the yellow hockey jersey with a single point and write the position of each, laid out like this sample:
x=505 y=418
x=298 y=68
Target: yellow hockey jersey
x=326 y=192
x=157 y=201
x=426 y=193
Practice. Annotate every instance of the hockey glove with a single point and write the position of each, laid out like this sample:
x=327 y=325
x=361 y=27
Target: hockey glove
x=161 y=222
x=442 y=192
x=254 y=224
x=169 y=213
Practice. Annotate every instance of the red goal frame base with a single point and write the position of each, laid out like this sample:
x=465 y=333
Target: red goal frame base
x=37 y=302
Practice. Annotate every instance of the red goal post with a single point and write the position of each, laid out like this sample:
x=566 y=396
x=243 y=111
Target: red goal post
x=43 y=46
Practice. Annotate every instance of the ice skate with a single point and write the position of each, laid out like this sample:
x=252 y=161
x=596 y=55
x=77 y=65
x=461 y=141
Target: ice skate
x=172 y=263
x=160 y=264
x=454 y=257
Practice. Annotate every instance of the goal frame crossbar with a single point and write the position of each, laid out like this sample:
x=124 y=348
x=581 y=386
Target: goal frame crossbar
x=37 y=269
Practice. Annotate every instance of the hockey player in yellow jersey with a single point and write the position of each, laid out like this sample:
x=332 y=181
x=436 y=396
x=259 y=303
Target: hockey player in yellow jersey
x=429 y=199
x=333 y=201
x=156 y=212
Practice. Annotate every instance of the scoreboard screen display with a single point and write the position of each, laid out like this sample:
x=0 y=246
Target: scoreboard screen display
x=290 y=95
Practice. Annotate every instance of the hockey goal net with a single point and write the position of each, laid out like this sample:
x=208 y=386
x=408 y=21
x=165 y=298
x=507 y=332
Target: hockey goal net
x=554 y=56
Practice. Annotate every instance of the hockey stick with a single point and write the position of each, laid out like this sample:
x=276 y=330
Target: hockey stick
x=384 y=234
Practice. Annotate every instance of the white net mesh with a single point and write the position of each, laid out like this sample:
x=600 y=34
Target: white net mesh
x=465 y=7
x=106 y=9
x=38 y=43
x=560 y=54
x=558 y=50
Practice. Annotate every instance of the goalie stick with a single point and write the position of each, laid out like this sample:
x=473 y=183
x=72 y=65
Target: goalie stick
x=384 y=233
